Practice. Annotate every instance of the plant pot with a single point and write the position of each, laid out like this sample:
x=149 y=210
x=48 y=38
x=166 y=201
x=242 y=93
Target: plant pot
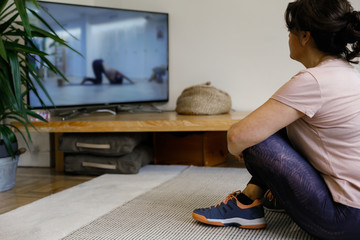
x=4 y=152
x=8 y=166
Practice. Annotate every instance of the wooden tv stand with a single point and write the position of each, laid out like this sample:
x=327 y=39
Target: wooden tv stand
x=164 y=122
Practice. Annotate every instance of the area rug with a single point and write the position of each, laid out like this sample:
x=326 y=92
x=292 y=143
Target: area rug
x=165 y=211
x=56 y=216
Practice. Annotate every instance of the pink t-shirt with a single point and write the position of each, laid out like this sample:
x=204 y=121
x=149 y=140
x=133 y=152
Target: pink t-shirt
x=329 y=133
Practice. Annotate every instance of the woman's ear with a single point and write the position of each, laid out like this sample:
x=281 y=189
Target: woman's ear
x=305 y=37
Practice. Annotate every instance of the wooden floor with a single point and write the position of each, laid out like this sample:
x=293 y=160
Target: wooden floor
x=35 y=183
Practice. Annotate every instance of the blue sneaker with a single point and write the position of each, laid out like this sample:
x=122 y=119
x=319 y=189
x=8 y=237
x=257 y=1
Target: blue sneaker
x=271 y=203
x=231 y=212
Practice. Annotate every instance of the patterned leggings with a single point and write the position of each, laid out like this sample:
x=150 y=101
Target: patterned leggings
x=300 y=189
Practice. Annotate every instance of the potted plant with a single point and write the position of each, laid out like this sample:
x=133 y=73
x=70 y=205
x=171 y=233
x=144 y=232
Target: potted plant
x=18 y=77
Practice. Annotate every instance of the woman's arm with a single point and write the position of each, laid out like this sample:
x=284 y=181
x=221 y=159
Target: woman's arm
x=125 y=77
x=259 y=125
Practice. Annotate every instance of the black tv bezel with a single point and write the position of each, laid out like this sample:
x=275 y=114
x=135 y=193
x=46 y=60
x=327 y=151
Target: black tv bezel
x=110 y=104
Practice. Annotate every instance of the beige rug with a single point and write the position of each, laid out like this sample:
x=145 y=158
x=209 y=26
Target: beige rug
x=58 y=215
x=165 y=211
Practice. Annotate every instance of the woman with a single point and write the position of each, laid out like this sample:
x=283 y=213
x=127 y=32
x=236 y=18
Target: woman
x=113 y=75
x=314 y=170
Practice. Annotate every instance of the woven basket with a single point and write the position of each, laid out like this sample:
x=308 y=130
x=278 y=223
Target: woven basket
x=203 y=99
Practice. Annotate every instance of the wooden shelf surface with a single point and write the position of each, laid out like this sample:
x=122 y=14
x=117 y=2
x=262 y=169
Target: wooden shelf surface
x=141 y=122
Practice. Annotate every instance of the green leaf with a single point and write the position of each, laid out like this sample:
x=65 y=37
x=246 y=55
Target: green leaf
x=22 y=135
x=3 y=5
x=17 y=74
x=13 y=46
x=5 y=12
x=55 y=20
x=43 y=21
x=39 y=82
x=28 y=135
x=8 y=23
x=42 y=33
x=2 y=49
x=35 y=2
x=21 y=7
x=8 y=137
x=16 y=77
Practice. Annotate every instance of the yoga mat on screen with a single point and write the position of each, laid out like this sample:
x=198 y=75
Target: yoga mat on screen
x=165 y=211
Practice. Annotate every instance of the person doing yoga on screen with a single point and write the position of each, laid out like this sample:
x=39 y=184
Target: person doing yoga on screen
x=113 y=75
x=312 y=169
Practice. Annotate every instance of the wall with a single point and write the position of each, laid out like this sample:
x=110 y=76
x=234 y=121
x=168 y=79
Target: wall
x=37 y=152
x=238 y=45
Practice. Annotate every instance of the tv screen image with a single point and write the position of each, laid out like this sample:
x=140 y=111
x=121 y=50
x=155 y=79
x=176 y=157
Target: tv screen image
x=124 y=56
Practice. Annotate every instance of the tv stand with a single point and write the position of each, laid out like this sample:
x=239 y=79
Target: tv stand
x=204 y=135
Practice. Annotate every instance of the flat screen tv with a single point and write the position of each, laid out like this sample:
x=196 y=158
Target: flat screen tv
x=124 y=56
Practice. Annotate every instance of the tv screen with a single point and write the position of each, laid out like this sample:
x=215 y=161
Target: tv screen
x=124 y=56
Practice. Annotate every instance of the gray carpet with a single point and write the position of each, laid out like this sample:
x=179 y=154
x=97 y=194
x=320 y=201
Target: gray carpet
x=165 y=211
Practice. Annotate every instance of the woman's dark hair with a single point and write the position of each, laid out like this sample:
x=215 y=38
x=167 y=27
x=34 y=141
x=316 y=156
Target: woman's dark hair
x=333 y=24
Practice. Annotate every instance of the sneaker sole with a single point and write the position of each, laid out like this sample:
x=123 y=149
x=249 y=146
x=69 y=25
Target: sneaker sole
x=240 y=222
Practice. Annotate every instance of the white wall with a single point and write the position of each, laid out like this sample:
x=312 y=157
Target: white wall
x=37 y=152
x=238 y=45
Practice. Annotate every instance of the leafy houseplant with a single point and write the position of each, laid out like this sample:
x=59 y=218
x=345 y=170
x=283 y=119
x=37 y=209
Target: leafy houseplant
x=18 y=75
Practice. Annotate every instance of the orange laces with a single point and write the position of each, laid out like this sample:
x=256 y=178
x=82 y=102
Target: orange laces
x=229 y=197
x=271 y=198
x=269 y=195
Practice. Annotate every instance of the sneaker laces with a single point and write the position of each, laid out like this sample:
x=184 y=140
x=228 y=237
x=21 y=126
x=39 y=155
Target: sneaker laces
x=229 y=197
x=271 y=198
x=269 y=195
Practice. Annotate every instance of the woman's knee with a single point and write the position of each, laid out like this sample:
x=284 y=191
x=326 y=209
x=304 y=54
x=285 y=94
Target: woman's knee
x=270 y=150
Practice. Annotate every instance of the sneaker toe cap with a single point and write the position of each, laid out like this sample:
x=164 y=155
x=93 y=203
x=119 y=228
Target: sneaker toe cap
x=203 y=211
